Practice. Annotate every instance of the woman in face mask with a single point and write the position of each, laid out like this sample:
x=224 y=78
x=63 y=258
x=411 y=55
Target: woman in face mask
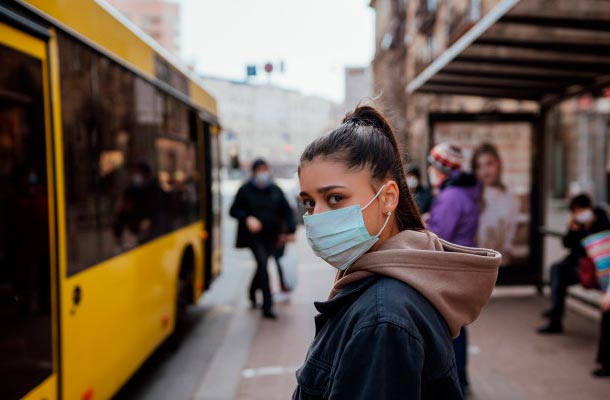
x=400 y=293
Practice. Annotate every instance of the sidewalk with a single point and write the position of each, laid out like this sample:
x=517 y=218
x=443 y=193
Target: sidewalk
x=508 y=360
x=280 y=346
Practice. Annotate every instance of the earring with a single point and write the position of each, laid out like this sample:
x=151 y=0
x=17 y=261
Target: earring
x=388 y=213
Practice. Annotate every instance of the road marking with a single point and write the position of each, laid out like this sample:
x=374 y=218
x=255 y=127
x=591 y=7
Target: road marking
x=268 y=371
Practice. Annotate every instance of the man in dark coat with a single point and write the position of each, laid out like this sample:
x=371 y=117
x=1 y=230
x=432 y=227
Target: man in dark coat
x=263 y=214
x=584 y=221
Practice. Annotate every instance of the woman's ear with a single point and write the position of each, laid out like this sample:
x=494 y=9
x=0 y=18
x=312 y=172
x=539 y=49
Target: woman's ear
x=390 y=196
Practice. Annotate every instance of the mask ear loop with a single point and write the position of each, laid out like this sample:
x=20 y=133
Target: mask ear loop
x=385 y=223
x=373 y=199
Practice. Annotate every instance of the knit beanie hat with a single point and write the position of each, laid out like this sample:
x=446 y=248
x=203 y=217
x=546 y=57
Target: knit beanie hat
x=446 y=157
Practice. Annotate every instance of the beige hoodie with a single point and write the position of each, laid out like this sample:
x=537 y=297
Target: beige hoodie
x=457 y=280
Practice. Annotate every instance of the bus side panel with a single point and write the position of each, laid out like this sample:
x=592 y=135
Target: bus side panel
x=116 y=313
x=117 y=308
x=46 y=390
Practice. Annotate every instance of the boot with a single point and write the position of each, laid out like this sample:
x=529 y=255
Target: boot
x=551 y=328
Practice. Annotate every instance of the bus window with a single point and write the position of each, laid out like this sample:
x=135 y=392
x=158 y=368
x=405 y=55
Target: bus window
x=25 y=297
x=178 y=178
x=130 y=165
x=109 y=116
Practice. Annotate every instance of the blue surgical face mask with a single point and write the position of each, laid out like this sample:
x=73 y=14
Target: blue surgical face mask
x=262 y=179
x=340 y=236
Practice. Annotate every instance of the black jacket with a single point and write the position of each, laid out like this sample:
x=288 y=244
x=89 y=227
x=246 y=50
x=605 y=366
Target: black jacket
x=270 y=206
x=572 y=239
x=423 y=198
x=379 y=339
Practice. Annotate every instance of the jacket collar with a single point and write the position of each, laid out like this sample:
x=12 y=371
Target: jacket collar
x=460 y=178
x=346 y=295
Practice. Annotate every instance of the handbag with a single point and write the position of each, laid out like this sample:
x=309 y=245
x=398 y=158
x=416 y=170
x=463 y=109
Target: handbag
x=289 y=267
x=587 y=273
x=597 y=247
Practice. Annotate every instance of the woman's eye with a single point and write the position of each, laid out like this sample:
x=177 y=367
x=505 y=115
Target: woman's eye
x=308 y=205
x=334 y=200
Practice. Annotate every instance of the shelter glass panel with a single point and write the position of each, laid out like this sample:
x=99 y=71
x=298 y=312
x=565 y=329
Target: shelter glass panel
x=499 y=154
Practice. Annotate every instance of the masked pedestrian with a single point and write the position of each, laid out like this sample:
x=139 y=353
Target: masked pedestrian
x=262 y=211
x=400 y=293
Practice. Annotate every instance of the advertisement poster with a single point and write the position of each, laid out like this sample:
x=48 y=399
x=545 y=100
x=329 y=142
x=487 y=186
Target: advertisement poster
x=500 y=156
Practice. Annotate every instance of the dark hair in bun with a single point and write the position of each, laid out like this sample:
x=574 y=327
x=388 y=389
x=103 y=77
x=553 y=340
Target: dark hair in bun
x=365 y=140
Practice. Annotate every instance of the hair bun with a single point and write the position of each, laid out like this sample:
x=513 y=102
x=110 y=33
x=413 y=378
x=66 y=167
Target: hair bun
x=368 y=116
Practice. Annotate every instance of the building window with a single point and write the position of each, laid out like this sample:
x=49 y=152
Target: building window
x=426 y=16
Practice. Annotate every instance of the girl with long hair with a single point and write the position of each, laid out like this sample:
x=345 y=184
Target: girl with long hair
x=400 y=293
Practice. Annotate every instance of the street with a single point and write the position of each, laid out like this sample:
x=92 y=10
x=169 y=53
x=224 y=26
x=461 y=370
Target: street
x=128 y=126
x=229 y=352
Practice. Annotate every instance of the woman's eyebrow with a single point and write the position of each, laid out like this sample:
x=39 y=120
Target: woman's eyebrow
x=324 y=189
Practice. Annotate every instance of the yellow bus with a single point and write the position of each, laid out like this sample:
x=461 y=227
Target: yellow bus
x=109 y=198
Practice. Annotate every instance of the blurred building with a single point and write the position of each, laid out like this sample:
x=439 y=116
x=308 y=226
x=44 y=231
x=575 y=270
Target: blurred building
x=358 y=85
x=160 y=19
x=268 y=121
x=412 y=34
x=580 y=148
x=389 y=63
x=530 y=77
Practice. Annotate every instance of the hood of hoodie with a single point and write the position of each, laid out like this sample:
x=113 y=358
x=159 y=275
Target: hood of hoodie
x=457 y=280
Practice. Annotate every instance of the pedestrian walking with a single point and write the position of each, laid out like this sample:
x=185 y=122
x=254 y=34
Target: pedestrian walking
x=262 y=211
x=400 y=293
x=585 y=219
x=454 y=216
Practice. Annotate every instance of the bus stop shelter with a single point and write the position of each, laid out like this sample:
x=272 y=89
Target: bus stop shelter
x=522 y=51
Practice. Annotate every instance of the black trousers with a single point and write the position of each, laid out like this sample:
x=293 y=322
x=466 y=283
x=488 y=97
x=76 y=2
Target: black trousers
x=460 y=348
x=260 y=280
x=603 y=353
x=277 y=255
x=563 y=274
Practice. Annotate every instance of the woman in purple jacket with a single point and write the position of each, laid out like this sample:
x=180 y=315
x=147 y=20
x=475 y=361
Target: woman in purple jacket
x=454 y=216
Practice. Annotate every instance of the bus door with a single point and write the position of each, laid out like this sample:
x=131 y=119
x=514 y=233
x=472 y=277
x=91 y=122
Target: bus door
x=212 y=206
x=28 y=325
